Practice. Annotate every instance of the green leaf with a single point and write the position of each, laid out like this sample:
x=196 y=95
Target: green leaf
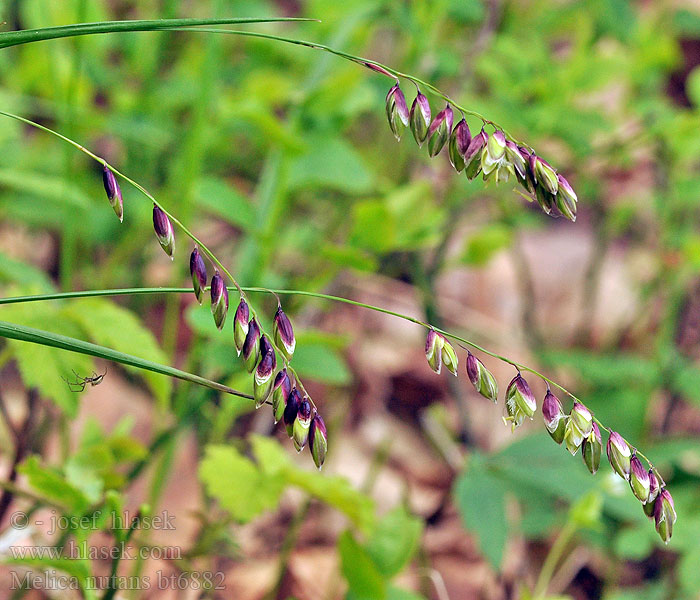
x=374 y=227
x=238 y=484
x=394 y=541
x=396 y=593
x=111 y=325
x=222 y=200
x=321 y=363
x=75 y=568
x=331 y=163
x=46 y=187
x=25 y=36
x=484 y=244
x=480 y=498
x=364 y=580
x=52 y=486
x=37 y=336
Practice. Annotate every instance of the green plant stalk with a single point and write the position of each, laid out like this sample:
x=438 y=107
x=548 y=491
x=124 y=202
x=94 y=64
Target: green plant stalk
x=462 y=340
x=553 y=558
x=54 y=340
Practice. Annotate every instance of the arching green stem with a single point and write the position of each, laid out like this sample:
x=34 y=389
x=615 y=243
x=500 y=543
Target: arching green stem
x=462 y=340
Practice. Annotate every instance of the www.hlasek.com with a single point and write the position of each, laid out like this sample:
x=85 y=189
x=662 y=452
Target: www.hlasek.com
x=83 y=550
x=55 y=580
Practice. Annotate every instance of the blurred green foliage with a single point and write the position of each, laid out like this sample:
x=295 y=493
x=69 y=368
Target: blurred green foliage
x=281 y=156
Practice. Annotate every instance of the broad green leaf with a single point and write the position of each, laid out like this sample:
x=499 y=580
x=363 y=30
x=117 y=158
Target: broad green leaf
x=111 y=325
x=53 y=486
x=484 y=244
x=480 y=498
x=238 y=484
x=397 y=593
x=394 y=541
x=374 y=226
x=364 y=580
x=321 y=363
x=16 y=271
x=224 y=201
x=332 y=163
x=45 y=187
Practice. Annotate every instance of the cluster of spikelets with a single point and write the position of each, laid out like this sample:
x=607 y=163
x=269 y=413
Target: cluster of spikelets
x=578 y=429
x=302 y=421
x=495 y=156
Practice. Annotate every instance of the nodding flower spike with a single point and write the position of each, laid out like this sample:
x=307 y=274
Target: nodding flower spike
x=554 y=417
x=396 y=111
x=639 y=479
x=654 y=488
x=280 y=392
x=164 y=231
x=433 y=350
x=219 y=300
x=578 y=427
x=460 y=139
x=439 y=130
x=240 y=325
x=619 y=454
x=419 y=118
x=481 y=378
x=472 y=157
x=566 y=199
x=114 y=192
x=290 y=411
x=251 y=346
x=592 y=449
x=283 y=333
x=262 y=380
x=302 y=423
x=449 y=356
x=664 y=515
x=318 y=440
x=198 y=272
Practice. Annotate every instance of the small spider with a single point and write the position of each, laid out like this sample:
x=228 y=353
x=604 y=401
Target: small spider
x=81 y=382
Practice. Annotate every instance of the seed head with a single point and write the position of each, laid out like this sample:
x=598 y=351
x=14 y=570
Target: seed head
x=198 y=272
x=280 y=392
x=566 y=199
x=654 y=487
x=318 y=440
x=164 y=231
x=114 y=192
x=219 y=300
x=283 y=333
x=240 y=324
x=554 y=417
x=472 y=157
x=639 y=479
x=290 y=411
x=449 y=356
x=578 y=427
x=544 y=174
x=664 y=515
x=420 y=118
x=433 y=350
x=519 y=391
x=302 y=423
x=619 y=455
x=481 y=378
x=251 y=346
x=592 y=449
x=516 y=158
x=396 y=111
x=262 y=380
x=439 y=131
x=459 y=142
x=520 y=402
x=494 y=162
